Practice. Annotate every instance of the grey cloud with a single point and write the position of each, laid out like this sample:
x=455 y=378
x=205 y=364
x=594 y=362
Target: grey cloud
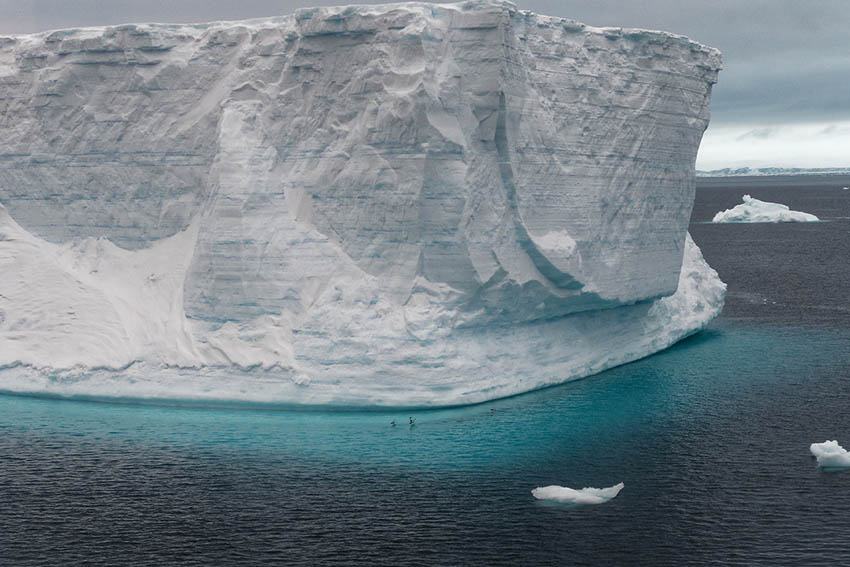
x=835 y=130
x=784 y=61
x=759 y=134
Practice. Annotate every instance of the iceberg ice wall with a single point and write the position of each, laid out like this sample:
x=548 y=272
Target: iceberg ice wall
x=395 y=204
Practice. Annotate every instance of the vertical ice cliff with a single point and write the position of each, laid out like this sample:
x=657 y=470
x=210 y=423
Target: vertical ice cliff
x=395 y=204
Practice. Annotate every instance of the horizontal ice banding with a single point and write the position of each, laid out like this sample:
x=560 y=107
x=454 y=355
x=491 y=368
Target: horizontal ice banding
x=405 y=204
x=89 y=319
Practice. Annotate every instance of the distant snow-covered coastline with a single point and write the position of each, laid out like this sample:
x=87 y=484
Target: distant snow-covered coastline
x=754 y=210
x=763 y=171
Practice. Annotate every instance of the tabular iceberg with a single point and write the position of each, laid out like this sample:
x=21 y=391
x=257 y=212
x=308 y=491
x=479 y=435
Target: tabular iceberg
x=754 y=210
x=405 y=204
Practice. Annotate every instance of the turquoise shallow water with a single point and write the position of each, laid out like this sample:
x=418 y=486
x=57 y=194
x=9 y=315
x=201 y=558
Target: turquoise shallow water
x=701 y=378
x=710 y=438
x=707 y=437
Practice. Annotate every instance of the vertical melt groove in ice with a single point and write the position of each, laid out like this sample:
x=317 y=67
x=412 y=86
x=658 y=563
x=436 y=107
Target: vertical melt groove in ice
x=405 y=204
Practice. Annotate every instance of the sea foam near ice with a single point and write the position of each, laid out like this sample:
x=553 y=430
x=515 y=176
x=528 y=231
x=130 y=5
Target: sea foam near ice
x=565 y=495
x=754 y=210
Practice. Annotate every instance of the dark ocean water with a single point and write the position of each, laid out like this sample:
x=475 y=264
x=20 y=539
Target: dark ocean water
x=710 y=438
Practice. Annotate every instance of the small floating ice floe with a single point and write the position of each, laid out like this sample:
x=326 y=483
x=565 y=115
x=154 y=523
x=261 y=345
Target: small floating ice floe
x=753 y=210
x=566 y=495
x=830 y=455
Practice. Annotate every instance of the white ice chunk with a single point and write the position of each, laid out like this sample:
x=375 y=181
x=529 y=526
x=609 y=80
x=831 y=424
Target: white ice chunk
x=566 y=495
x=830 y=455
x=754 y=210
x=556 y=241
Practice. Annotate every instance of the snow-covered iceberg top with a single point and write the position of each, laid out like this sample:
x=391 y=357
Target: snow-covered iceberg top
x=402 y=204
x=753 y=210
x=830 y=455
x=565 y=495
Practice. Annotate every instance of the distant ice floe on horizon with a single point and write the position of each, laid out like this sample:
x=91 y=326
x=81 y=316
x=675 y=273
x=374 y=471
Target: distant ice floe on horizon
x=830 y=455
x=754 y=210
x=565 y=495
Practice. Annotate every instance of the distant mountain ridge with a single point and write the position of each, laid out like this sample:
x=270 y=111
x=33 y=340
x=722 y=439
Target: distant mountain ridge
x=747 y=171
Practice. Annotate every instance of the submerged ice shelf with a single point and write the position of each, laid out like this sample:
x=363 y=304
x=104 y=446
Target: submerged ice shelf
x=406 y=204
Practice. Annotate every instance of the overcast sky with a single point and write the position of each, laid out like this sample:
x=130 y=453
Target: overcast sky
x=783 y=98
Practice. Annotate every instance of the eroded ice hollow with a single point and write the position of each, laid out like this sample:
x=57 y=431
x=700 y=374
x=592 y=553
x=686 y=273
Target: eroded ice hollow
x=405 y=204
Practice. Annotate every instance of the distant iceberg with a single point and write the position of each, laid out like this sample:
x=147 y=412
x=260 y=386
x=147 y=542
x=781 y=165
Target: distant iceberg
x=566 y=495
x=753 y=210
x=830 y=455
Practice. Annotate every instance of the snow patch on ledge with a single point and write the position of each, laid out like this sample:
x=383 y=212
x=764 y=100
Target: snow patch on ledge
x=754 y=210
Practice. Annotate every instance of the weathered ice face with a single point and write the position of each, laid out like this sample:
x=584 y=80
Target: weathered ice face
x=493 y=151
x=423 y=169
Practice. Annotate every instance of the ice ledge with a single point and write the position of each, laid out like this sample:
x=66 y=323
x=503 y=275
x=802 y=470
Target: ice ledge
x=92 y=331
x=347 y=13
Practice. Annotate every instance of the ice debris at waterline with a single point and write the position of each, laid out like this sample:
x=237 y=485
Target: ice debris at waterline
x=830 y=455
x=753 y=210
x=404 y=204
x=566 y=495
